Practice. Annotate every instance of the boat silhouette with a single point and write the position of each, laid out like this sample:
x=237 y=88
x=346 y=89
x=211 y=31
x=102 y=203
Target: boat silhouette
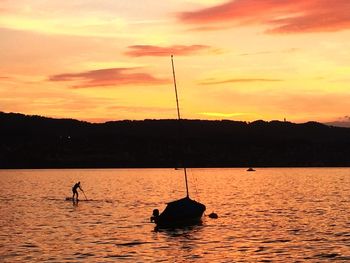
x=185 y=211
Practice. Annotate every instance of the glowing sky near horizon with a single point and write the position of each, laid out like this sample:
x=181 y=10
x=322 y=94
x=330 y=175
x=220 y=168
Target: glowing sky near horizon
x=240 y=59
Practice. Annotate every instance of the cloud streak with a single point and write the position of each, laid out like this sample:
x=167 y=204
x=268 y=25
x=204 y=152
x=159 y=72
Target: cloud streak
x=157 y=51
x=109 y=77
x=137 y=109
x=287 y=51
x=238 y=80
x=287 y=16
x=222 y=114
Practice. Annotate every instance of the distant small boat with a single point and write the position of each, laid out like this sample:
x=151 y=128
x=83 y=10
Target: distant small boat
x=250 y=169
x=185 y=211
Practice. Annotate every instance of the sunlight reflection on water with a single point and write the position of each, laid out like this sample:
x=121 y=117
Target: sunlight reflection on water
x=276 y=215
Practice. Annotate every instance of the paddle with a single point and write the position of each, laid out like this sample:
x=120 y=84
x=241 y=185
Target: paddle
x=84 y=194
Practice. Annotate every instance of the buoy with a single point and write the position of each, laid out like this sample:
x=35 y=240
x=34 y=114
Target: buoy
x=213 y=215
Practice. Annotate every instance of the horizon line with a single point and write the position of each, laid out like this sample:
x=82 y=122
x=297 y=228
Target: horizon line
x=175 y=119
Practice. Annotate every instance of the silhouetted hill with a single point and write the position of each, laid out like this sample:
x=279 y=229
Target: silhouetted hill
x=39 y=142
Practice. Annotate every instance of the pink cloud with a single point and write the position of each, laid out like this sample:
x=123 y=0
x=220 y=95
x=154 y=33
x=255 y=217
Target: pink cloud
x=282 y=16
x=109 y=77
x=157 y=51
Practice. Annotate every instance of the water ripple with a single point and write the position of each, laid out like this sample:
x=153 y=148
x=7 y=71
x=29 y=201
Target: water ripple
x=275 y=215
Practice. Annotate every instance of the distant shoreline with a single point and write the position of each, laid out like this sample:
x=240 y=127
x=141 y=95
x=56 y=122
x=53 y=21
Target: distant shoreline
x=142 y=168
x=33 y=142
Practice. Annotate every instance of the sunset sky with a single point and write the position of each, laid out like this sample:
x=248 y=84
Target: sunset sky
x=100 y=60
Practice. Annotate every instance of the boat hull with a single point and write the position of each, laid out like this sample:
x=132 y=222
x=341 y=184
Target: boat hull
x=183 y=212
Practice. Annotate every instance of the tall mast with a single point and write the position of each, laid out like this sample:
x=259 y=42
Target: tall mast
x=179 y=118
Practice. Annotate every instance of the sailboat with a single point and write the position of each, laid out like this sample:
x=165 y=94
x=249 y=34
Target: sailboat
x=185 y=211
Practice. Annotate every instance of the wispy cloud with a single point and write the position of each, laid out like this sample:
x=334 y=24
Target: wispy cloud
x=340 y=80
x=288 y=51
x=345 y=118
x=345 y=124
x=287 y=16
x=158 y=51
x=222 y=114
x=237 y=80
x=138 y=109
x=109 y=77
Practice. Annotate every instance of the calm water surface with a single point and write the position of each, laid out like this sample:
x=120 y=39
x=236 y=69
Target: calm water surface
x=271 y=215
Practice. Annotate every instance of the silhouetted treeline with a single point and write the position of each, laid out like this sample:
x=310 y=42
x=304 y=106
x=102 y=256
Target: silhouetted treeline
x=38 y=142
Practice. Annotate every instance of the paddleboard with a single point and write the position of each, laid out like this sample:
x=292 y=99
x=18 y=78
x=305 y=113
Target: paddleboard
x=71 y=199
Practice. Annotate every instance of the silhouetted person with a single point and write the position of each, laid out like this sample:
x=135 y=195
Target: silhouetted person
x=155 y=215
x=75 y=192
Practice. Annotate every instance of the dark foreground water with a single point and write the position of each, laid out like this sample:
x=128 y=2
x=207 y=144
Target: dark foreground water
x=271 y=215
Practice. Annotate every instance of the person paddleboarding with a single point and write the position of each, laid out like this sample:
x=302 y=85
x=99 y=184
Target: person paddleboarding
x=75 y=190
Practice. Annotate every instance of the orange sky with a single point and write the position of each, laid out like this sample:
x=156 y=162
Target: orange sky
x=100 y=60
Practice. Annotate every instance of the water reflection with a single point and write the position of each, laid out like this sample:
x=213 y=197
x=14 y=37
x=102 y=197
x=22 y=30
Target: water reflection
x=278 y=215
x=186 y=241
x=176 y=229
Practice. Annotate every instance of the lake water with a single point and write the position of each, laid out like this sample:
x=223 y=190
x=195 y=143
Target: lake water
x=271 y=215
